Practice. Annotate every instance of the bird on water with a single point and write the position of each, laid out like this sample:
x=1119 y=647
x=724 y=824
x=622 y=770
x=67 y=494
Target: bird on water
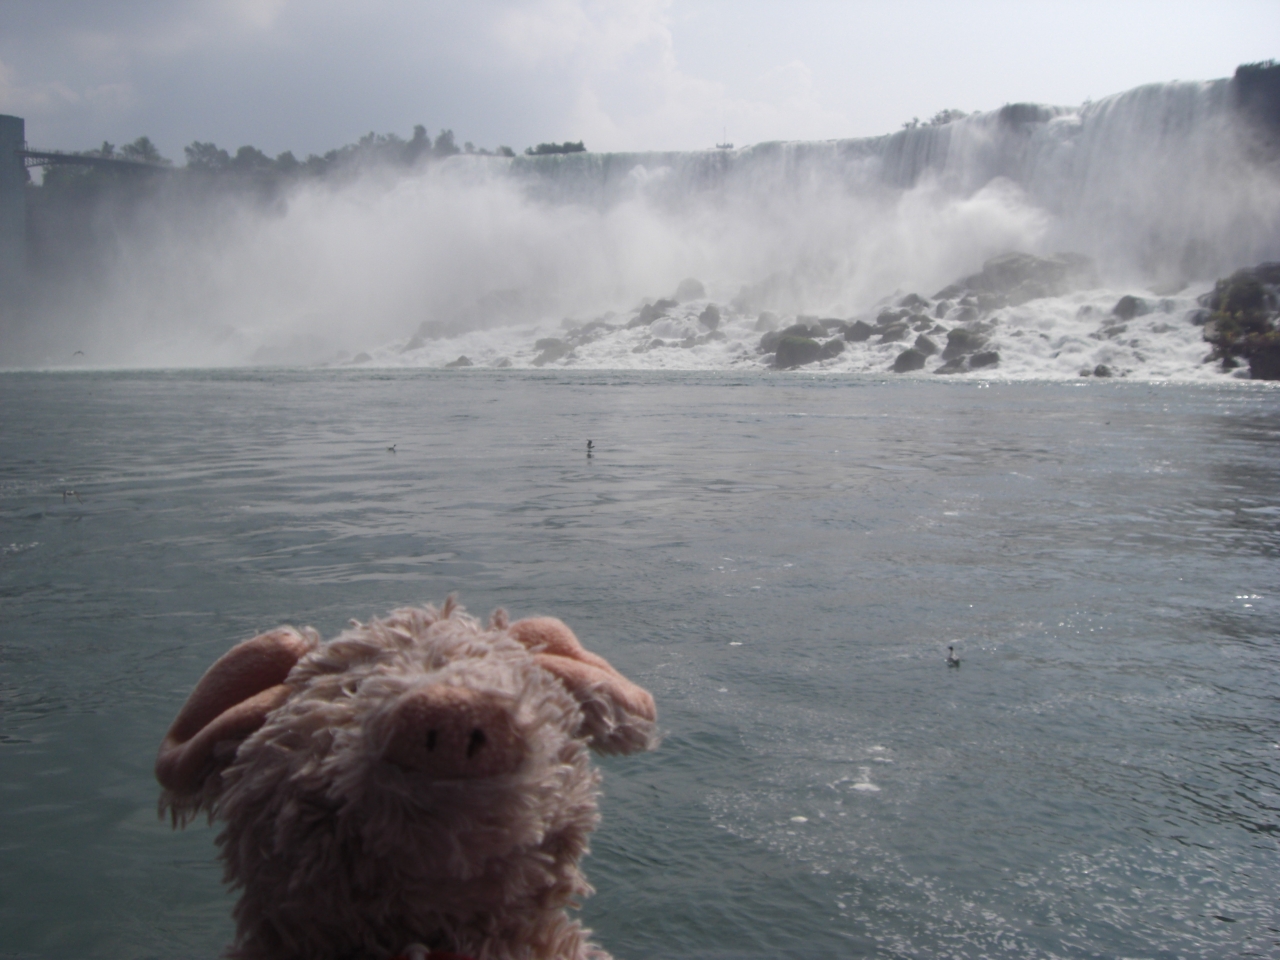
x=591 y=444
x=391 y=449
x=952 y=659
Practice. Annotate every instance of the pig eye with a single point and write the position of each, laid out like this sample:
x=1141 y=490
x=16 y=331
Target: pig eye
x=475 y=743
x=431 y=739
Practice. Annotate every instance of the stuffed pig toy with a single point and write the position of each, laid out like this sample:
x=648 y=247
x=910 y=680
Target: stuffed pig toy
x=417 y=786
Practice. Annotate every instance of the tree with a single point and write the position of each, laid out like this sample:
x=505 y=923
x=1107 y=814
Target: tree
x=248 y=159
x=143 y=150
x=206 y=156
x=444 y=146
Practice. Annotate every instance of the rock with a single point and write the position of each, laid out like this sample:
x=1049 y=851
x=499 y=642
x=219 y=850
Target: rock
x=888 y=317
x=766 y=321
x=1128 y=307
x=769 y=342
x=1245 y=323
x=360 y=358
x=1014 y=278
x=794 y=351
x=710 y=316
x=941 y=309
x=894 y=332
x=922 y=324
x=829 y=324
x=925 y=346
x=858 y=331
x=832 y=348
x=690 y=289
x=914 y=302
x=990 y=358
x=954 y=365
x=1199 y=317
x=1101 y=370
x=651 y=312
x=415 y=343
x=552 y=350
x=908 y=360
x=961 y=341
x=803 y=330
x=502 y=362
x=462 y=361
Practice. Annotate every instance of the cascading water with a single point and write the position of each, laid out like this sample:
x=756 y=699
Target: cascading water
x=1164 y=188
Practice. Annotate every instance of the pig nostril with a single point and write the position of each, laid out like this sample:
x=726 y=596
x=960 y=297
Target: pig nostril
x=475 y=743
x=431 y=739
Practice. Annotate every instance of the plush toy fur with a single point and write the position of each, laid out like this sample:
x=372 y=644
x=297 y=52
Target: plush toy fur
x=417 y=779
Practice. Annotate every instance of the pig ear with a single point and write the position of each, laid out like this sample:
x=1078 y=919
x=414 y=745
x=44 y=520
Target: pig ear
x=618 y=716
x=231 y=701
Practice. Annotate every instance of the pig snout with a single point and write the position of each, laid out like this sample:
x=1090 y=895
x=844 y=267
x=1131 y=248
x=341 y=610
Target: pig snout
x=454 y=733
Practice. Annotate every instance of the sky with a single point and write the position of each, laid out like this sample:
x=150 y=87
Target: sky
x=311 y=75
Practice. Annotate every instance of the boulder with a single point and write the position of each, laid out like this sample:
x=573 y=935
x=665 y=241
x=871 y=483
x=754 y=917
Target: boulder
x=925 y=346
x=1014 y=278
x=769 y=342
x=858 y=331
x=416 y=342
x=832 y=348
x=768 y=320
x=894 y=332
x=710 y=316
x=1245 y=322
x=989 y=358
x=690 y=289
x=552 y=350
x=1128 y=307
x=462 y=361
x=794 y=351
x=888 y=317
x=954 y=365
x=961 y=341
x=908 y=360
x=914 y=302
x=1101 y=370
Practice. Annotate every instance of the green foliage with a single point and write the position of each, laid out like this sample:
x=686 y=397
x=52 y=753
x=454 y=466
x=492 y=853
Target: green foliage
x=142 y=150
x=543 y=149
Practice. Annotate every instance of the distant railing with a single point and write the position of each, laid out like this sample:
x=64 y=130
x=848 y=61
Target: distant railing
x=52 y=158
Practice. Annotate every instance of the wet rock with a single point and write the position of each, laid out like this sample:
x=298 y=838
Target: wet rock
x=1014 y=278
x=988 y=358
x=462 y=361
x=954 y=365
x=416 y=342
x=651 y=312
x=914 y=303
x=552 y=350
x=769 y=342
x=909 y=360
x=1128 y=307
x=360 y=358
x=794 y=351
x=1102 y=370
x=961 y=341
x=832 y=325
x=710 y=316
x=690 y=289
x=925 y=346
x=502 y=362
x=922 y=324
x=858 y=331
x=766 y=321
x=832 y=348
x=941 y=309
x=1245 y=322
x=894 y=332
x=888 y=317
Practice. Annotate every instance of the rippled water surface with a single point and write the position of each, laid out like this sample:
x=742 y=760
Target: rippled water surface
x=781 y=559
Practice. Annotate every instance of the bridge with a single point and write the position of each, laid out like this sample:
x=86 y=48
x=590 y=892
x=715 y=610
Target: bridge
x=15 y=158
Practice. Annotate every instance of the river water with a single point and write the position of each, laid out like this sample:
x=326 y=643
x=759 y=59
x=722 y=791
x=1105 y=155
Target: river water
x=782 y=559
